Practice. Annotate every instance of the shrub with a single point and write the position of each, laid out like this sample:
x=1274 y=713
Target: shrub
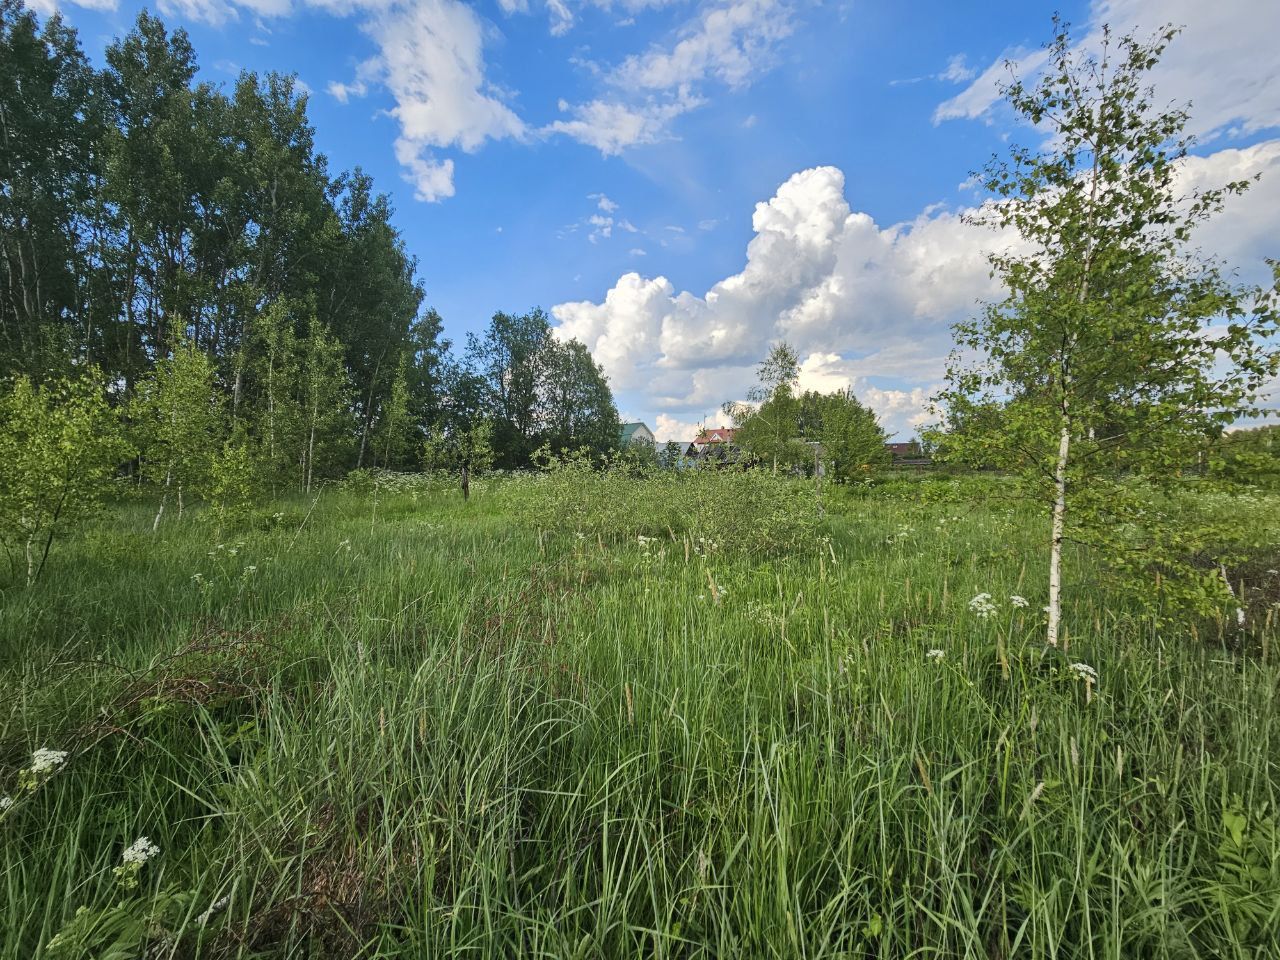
x=235 y=483
x=60 y=446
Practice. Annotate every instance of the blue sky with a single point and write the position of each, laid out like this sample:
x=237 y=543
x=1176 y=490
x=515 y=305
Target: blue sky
x=605 y=160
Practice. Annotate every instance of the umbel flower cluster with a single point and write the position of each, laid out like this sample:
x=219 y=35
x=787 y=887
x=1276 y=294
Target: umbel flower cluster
x=44 y=764
x=133 y=859
x=985 y=607
x=45 y=761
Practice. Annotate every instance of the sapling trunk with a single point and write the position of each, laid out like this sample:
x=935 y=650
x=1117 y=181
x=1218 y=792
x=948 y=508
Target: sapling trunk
x=168 y=479
x=1055 y=541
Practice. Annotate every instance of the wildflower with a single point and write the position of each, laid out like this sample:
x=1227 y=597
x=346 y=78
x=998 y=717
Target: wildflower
x=132 y=861
x=936 y=655
x=45 y=761
x=5 y=804
x=250 y=570
x=1020 y=602
x=983 y=605
x=197 y=578
x=1085 y=672
x=140 y=851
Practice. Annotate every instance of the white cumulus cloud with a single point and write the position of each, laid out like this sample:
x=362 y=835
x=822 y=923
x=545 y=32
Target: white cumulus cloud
x=866 y=305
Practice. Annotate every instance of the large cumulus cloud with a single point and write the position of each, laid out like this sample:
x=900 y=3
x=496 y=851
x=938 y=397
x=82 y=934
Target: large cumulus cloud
x=866 y=305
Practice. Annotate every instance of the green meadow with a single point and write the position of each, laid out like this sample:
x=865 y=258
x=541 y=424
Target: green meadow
x=382 y=722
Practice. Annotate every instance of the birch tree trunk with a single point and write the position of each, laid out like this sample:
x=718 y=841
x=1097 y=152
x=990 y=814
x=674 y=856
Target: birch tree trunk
x=1058 y=526
x=1055 y=541
x=168 y=479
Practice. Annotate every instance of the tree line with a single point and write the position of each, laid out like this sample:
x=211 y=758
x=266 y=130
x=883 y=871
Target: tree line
x=181 y=271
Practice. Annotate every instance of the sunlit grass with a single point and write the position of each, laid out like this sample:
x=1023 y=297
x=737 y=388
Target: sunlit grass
x=422 y=729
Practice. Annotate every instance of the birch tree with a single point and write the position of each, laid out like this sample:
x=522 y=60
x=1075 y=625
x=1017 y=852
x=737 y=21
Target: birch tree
x=60 y=446
x=768 y=423
x=179 y=424
x=1118 y=347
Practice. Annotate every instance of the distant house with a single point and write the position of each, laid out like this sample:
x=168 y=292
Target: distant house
x=908 y=455
x=713 y=444
x=636 y=433
x=718 y=438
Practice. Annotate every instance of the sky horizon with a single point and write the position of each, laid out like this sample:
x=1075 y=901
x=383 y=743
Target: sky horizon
x=681 y=184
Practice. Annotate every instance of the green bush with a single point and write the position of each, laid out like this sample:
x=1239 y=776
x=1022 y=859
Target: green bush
x=60 y=446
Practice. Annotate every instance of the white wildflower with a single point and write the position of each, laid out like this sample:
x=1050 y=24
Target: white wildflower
x=5 y=803
x=1240 y=616
x=1085 y=672
x=1020 y=602
x=983 y=605
x=140 y=851
x=936 y=655
x=45 y=761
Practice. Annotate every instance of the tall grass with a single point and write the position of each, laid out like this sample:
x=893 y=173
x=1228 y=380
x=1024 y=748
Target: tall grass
x=430 y=729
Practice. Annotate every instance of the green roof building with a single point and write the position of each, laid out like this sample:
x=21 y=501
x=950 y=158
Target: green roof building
x=636 y=433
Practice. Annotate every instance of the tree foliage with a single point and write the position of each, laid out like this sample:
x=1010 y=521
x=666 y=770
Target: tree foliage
x=60 y=446
x=179 y=422
x=768 y=423
x=245 y=304
x=143 y=208
x=1117 y=349
x=538 y=391
x=781 y=427
x=849 y=436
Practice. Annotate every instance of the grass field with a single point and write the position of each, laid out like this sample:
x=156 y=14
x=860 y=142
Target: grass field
x=391 y=724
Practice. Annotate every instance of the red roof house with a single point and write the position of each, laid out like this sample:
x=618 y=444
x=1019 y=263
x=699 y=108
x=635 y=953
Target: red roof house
x=712 y=436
